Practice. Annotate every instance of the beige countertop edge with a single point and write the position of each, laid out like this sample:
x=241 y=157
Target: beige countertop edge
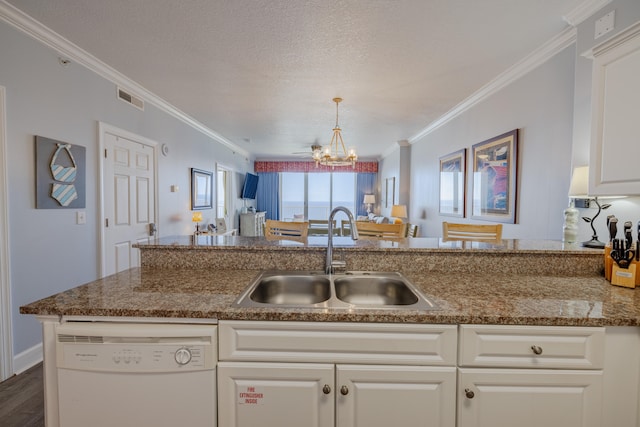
x=466 y=251
x=412 y=245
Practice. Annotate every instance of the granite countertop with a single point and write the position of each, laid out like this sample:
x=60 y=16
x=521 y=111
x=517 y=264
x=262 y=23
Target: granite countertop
x=479 y=298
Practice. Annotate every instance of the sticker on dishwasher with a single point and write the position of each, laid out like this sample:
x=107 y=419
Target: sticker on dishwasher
x=250 y=396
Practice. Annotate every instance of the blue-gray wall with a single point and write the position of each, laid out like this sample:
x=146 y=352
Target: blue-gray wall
x=540 y=104
x=551 y=105
x=49 y=253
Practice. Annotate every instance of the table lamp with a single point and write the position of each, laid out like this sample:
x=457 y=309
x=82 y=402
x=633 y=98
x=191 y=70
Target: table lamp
x=197 y=217
x=369 y=200
x=399 y=212
x=579 y=189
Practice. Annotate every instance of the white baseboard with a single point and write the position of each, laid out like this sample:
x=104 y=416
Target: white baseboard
x=27 y=359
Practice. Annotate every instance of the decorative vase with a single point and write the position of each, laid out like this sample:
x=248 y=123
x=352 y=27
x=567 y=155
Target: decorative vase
x=570 y=227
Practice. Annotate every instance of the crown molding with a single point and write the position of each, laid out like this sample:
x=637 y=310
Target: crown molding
x=625 y=35
x=584 y=11
x=55 y=41
x=517 y=71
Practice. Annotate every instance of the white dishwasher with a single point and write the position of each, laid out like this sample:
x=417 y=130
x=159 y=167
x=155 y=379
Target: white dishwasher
x=128 y=374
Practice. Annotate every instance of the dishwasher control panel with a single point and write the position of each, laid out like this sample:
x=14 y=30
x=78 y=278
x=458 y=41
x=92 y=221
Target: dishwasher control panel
x=153 y=350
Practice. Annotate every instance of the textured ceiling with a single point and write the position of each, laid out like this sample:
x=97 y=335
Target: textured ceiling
x=262 y=73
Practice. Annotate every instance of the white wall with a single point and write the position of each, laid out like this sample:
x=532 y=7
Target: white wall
x=389 y=167
x=396 y=164
x=49 y=252
x=540 y=104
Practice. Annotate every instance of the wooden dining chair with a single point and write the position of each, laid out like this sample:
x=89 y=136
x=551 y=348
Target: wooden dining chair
x=381 y=231
x=479 y=232
x=321 y=227
x=273 y=228
x=345 y=227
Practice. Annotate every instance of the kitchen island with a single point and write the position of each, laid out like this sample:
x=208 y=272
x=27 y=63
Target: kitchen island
x=540 y=309
x=517 y=283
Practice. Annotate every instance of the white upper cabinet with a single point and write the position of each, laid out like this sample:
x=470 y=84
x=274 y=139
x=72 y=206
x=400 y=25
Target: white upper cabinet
x=615 y=115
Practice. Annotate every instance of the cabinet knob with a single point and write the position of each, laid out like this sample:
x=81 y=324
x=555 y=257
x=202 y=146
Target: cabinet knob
x=326 y=389
x=470 y=394
x=536 y=349
x=344 y=390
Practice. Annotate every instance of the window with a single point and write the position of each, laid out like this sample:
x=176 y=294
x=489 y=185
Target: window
x=314 y=195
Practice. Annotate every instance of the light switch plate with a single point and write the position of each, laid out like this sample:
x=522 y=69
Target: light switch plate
x=605 y=24
x=81 y=217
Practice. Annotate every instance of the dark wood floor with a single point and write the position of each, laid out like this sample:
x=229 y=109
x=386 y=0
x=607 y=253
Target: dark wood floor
x=22 y=399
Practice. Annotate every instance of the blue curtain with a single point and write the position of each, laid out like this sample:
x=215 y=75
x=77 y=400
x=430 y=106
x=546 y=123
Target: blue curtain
x=365 y=184
x=268 y=194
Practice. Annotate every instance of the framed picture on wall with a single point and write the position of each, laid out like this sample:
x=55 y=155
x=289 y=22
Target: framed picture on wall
x=495 y=173
x=453 y=183
x=201 y=189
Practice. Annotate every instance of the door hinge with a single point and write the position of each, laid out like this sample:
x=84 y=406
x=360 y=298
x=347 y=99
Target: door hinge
x=106 y=222
x=105 y=153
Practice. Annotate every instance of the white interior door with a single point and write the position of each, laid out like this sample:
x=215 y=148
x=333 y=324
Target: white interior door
x=129 y=194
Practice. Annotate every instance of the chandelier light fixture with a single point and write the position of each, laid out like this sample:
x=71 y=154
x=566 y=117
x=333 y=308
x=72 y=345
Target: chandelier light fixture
x=335 y=154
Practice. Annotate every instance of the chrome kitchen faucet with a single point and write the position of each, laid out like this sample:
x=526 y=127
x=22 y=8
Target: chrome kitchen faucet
x=330 y=264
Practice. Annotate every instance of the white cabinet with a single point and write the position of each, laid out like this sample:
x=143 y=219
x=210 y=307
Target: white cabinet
x=615 y=144
x=252 y=224
x=388 y=395
x=275 y=394
x=310 y=394
x=530 y=376
x=529 y=398
x=342 y=374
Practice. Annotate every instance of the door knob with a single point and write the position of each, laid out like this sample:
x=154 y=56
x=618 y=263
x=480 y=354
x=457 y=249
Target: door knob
x=326 y=389
x=344 y=390
x=470 y=394
x=536 y=349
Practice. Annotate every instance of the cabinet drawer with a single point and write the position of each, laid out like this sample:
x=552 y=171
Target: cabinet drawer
x=372 y=343
x=532 y=347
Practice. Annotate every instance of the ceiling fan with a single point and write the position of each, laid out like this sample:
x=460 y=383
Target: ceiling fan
x=307 y=153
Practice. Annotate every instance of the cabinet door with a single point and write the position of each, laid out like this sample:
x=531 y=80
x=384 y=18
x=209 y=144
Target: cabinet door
x=383 y=396
x=615 y=147
x=275 y=394
x=529 y=398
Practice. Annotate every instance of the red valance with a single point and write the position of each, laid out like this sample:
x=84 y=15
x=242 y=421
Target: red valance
x=284 y=166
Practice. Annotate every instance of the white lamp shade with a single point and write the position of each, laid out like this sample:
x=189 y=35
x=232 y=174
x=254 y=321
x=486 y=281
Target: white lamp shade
x=399 y=211
x=369 y=198
x=580 y=183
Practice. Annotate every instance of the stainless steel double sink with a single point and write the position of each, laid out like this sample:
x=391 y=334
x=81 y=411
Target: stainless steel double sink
x=349 y=290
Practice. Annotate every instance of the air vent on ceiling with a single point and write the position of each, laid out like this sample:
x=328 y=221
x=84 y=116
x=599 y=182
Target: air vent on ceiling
x=125 y=96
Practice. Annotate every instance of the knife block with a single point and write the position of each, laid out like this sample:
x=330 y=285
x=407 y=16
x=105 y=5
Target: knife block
x=627 y=277
x=608 y=262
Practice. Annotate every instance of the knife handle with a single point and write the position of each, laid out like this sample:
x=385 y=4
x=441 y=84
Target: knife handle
x=613 y=228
